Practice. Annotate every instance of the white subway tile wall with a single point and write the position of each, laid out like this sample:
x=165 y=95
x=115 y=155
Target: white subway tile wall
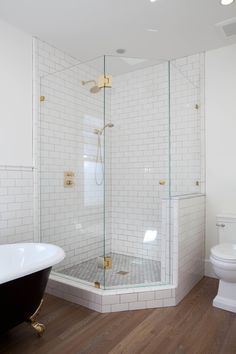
x=140 y=150
x=16 y=205
x=114 y=301
x=68 y=117
x=139 y=159
x=187 y=243
x=72 y=217
x=189 y=236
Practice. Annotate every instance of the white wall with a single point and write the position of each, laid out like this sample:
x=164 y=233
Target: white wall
x=16 y=96
x=16 y=175
x=220 y=73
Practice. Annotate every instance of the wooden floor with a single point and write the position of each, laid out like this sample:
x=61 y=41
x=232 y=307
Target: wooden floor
x=193 y=326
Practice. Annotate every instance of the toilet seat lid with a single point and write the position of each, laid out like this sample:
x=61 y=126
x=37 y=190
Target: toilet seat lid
x=225 y=251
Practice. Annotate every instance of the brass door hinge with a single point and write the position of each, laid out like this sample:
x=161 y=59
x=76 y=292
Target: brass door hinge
x=104 y=81
x=105 y=262
x=97 y=284
x=69 y=177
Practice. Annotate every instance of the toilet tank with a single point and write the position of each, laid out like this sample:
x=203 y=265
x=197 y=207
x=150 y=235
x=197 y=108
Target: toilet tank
x=226 y=225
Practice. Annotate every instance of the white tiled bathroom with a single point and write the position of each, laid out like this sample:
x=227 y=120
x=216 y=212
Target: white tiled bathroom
x=117 y=164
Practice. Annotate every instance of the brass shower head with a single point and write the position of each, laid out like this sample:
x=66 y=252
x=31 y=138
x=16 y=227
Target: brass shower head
x=94 y=88
x=102 y=82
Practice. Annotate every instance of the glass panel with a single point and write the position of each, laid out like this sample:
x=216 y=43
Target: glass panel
x=186 y=113
x=137 y=172
x=71 y=156
x=105 y=171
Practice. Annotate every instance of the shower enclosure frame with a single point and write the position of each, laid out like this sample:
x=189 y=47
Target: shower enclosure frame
x=164 y=292
x=103 y=87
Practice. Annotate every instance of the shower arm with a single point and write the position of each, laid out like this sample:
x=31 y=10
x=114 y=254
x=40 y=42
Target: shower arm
x=88 y=82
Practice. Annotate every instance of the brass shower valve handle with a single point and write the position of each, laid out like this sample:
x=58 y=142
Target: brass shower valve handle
x=68 y=182
x=69 y=179
x=162 y=182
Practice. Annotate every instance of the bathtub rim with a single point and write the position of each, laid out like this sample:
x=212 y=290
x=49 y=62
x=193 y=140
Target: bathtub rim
x=49 y=260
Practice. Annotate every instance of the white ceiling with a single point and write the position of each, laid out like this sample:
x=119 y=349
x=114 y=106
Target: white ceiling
x=89 y=28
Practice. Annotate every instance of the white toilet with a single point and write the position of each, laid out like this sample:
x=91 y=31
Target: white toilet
x=223 y=259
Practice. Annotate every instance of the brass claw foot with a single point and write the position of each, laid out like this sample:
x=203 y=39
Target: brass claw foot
x=38 y=327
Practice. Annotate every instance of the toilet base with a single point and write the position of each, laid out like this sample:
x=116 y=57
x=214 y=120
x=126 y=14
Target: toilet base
x=226 y=297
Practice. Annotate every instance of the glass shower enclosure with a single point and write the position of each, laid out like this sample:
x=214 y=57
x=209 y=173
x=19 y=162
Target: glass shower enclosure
x=105 y=171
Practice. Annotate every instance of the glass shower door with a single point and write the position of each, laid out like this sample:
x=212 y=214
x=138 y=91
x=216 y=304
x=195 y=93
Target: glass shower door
x=186 y=127
x=104 y=171
x=137 y=172
x=72 y=168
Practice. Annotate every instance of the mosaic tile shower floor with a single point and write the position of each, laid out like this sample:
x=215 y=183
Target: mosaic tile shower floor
x=133 y=271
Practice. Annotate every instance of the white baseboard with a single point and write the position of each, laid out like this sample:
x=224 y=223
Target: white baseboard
x=209 y=270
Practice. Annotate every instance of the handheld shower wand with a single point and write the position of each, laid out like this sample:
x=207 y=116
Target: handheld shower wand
x=99 y=158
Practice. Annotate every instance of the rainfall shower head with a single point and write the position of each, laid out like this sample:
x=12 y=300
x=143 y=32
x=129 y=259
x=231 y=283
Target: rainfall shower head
x=94 y=89
x=101 y=82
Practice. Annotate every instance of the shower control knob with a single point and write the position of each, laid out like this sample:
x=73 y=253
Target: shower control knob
x=69 y=178
x=220 y=225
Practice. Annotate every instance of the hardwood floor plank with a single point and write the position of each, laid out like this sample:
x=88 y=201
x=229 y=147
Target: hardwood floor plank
x=229 y=344
x=168 y=333
x=192 y=327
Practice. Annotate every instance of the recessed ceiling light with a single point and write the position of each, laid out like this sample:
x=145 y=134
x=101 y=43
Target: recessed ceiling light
x=120 y=51
x=225 y=2
x=153 y=0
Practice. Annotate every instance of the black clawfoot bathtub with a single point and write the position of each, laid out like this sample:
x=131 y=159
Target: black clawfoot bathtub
x=24 y=272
